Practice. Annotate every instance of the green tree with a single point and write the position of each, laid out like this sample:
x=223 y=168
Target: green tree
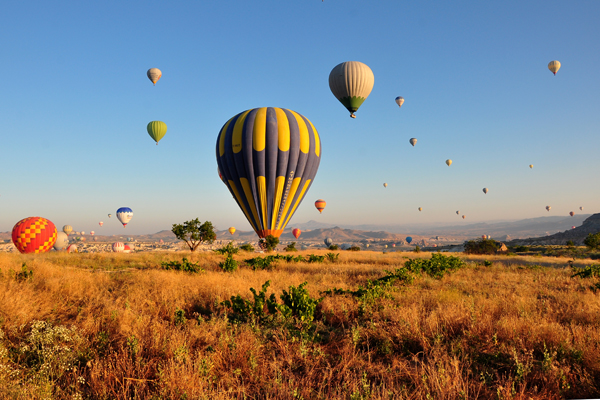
x=592 y=241
x=193 y=233
x=269 y=243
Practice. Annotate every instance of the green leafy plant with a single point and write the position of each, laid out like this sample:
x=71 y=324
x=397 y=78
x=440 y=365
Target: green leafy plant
x=228 y=249
x=241 y=310
x=591 y=271
x=417 y=249
x=23 y=275
x=312 y=258
x=298 y=304
x=354 y=248
x=267 y=262
x=229 y=265
x=481 y=246
x=291 y=247
x=435 y=267
x=247 y=247
x=179 y=317
x=193 y=233
x=185 y=265
x=334 y=247
x=332 y=257
x=592 y=241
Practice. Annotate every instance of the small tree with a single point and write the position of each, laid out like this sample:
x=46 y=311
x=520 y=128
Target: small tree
x=592 y=241
x=193 y=232
x=291 y=247
x=269 y=243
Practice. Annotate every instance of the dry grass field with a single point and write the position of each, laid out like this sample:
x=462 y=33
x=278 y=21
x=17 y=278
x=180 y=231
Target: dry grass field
x=118 y=326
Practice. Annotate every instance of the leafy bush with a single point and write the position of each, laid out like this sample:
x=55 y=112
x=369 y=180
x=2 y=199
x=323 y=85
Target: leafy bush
x=591 y=271
x=417 y=249
x=435 y=267
x=334 y=247
x=291 y=247
x=521 y=249
x=229 y=265
x=487 y=263
x=184 y=265
x=354 y=248
x=298 y=304
x=269 y=243
x=23 y=275
x=179 y=317
x=193 y=233
x=315 y=259
x=267 y=262
x=332 y=257
x=228 y=249
x=481 y=246
x=592 y=241
x=247 y=247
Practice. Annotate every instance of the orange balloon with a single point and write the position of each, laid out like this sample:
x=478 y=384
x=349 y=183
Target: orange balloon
x=34 y=235
x=320 y=204
x=296 y=232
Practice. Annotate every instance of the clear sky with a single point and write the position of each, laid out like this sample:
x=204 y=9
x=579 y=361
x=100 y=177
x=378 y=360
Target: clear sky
x=75 y=102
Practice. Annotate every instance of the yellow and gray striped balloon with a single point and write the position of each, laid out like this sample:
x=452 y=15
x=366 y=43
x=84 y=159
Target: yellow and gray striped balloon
x=554 y=66
x=268 y=158
x=351 y=83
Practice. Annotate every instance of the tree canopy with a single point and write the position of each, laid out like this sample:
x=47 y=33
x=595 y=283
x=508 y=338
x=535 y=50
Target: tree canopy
x=193 y=233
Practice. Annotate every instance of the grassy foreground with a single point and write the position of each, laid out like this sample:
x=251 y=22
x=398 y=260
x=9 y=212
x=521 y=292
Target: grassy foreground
x=118 y=326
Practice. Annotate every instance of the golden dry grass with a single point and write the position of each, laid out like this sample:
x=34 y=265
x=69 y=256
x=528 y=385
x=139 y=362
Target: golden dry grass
x=521 y=328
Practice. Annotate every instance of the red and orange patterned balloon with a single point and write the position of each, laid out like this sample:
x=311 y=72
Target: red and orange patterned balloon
x=34 y=235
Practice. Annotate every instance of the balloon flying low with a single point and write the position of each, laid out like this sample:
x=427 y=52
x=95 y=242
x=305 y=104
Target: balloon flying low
x=67 y=229
x=124 y=214
x=554 y=66
x=269 y=158
x=92 y=233
x=118 y=247
x=231 y=230
x=328 y=241
x=409 y=239
x=572 y=227
x=296 y=232
x=156 y=130
x=448 y=162
x=413 y=141
x=34 y=235
x=154 y=74
x=485 y=190
x=351 y=83
x=320 y=205
x=399 y=101
x=72 y=248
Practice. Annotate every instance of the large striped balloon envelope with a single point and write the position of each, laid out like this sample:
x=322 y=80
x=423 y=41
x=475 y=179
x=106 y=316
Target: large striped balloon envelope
x=34 y=235
x=268 y=158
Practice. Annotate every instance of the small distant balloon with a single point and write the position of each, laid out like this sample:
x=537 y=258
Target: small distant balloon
x=554 y=66
x=572 y=227
x=393 y=244
x=413 y=141
x=232 y=230
x=420 y=208
x=67 y=229
x=571 y=213
x=124 y=214
x=320 y=205
x=581 y=208
x=385 y=185
x=448 y=162
x=408 y=239
x=386 y=246
x=109 y=215
x=548 y=208
x=154 y=75
x=399 y=101
x=92 y=233
x=156 y=130
x=100 y=223
x=328 y=241
x=530 y=165
x=485 y=190
x=464 y=216
x=296 y=232
x=457 y=212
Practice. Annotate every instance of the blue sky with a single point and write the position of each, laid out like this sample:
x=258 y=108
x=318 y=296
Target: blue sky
x=75 y=102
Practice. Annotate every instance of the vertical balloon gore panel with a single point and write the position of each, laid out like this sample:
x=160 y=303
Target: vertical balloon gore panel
x=268 y=158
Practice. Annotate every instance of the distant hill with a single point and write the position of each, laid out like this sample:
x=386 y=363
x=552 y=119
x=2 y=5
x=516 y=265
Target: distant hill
x=577 y=235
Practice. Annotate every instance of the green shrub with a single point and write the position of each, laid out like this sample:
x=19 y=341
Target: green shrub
x=481 y=246
x=291 y=247
x=592 y=241
x=354 y=248
x=244 y=310
x=184 y=265
x=315 y=259
x=23 y=275
x=228 y=249
x=247 y=247
x=435 y=267
x=521 y=249
x=334 y=247
x=179 y=317
x=417 y=249
x=298 y=304
x=591 y=271
x=269 y=243
x=332 y=257
x=229 y=265
x=267 y=262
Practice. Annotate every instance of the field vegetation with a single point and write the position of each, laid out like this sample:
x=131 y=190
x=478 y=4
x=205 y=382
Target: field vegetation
x=301 y=325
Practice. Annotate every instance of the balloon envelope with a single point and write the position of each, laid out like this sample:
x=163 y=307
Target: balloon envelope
x=413 y=141
x=581 y=208
x=124 y=214
x=100 y=223
x=409 y=239
x=72 y=248
x=485 y=190
x=67 y=229
x=320 y=205
x=448 y=162
x=269 y=158
x=463 y=217
x=420 y=208
x=571 y=213
x=62 y=241
x=548 y=208
x=109 y=215
x=328 y=241
x=156 y=130
x=154 y=74
x=231 y=230
x=351 y=83
x=385 y=185
x=34 y=235
x=554 y=66
x=399 y=101
x=296 y=232
x=530 y=165
x=118 y=247
x=458 y=213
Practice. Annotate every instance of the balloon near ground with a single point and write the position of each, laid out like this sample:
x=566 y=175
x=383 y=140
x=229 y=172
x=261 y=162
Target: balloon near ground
x=269 y=158
x=154 y=75
x=118 y=247
x=328 y=241
x=320 y=205
x=34 y=235
x=554 y=66
x=351 y=83
x=231 y=230
x=156 y=130
x=72 y=248
x=124 y=214
x=100 y=223
x=62 y=241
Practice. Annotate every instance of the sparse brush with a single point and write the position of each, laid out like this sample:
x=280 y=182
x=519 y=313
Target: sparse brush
x=229 y=265
x=185 y=265
x=228 y=249
x=247 y=247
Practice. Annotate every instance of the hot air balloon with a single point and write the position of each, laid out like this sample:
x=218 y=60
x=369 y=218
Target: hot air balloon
x=367 y=245
x=393 y=244
x=156 y=130
x=530 y=165
x=296 y=232
x=464 y=217
x=82 y=232
x=399 y=101
x=351 y=83
x=67 y=229
x=83 y=239
x=571 y=213
x=386 y=246
x=62 y=241
x=483 y=236
x=92 y=233
x=100 y=223
x=420 y=208
x=232 y=230
x=328 y=241
x=572 y=227
x=385 y=185
x=124 y=214
x=485 y=190
x=448 y=162
x=72 y=248
x=409 y=239
x=126 y=248
x=34 y=235
x=457 y=212
x=413 y=141
x=109 y=215
x=118 y=247
x=269 y=157
x=548 y=208
x=320 y=205
x=154 y=75
x=554 y=66
x=581 y=208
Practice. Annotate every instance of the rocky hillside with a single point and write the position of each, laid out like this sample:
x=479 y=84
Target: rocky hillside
x=577 y=235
